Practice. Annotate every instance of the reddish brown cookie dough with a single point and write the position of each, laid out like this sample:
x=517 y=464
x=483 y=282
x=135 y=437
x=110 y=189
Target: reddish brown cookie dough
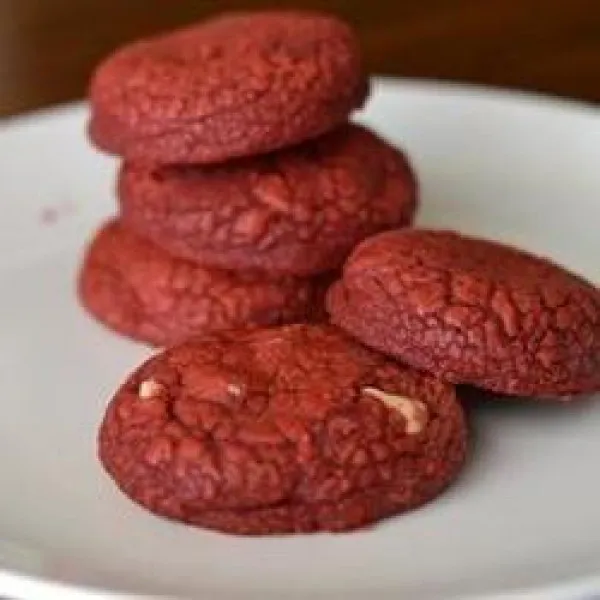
x=297 y=211
x=236 y=85
x=472 y=311
x=290 y=429
x=142 y=292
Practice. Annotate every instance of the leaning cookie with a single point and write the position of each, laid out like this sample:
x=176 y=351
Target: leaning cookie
x=472 y=311
x=235 y=85
x=298 y=211
x=140 y=291
x=281 y=430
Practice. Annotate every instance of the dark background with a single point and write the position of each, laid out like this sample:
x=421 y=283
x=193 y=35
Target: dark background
x=48 y=47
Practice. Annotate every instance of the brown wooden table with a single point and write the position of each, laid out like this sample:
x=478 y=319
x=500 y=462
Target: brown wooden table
x=48 y=47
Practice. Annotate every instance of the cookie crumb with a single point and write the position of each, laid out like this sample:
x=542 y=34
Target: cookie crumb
x=414 y=411
x=150 y=389
x=50 y=215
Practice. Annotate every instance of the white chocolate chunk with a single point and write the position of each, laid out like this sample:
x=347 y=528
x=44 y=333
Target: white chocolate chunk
x=150 y=389
x=234 y=390
x=414 y=412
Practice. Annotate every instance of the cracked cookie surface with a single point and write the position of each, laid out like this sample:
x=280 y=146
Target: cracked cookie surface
x=472 y=311
x=140 y=291
x=235 y=85
x=299 y=210
x=288 y=429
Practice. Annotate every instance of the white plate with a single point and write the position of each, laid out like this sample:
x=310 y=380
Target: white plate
x=524 y=517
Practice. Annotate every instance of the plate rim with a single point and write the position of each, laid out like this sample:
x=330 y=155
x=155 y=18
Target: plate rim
x=379 y=81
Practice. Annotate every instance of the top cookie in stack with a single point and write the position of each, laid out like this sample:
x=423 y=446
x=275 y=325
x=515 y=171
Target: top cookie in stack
x=237 y=85
x=238 y=156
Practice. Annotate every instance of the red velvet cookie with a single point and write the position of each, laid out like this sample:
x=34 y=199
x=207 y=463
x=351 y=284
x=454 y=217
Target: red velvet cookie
x=299 y=211
x=140 y=291
x=236 y=85
x=472 y=311
x=289 y=429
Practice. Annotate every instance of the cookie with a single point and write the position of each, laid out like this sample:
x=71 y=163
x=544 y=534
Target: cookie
x=472 y=311
x=280 y=430
x=140 y=291
x=297 y=211
x=236 y=85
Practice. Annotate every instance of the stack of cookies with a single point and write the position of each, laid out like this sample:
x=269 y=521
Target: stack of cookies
x=243 y=191
x=243 y=186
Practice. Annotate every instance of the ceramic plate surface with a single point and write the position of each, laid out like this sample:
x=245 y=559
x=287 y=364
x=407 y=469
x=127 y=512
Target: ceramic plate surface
x=523 y=519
